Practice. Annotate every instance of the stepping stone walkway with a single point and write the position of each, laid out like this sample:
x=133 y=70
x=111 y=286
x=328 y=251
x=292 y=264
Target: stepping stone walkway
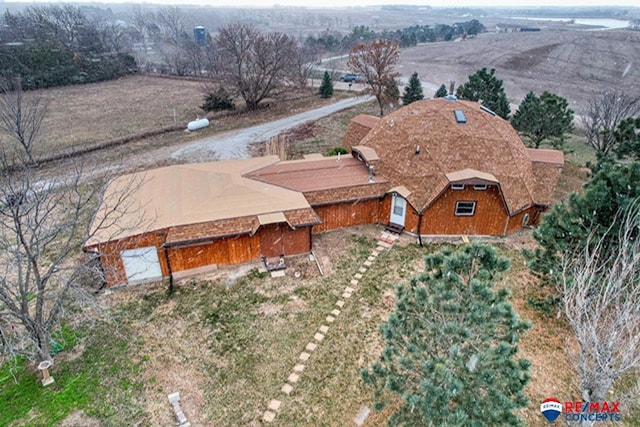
x=385 y=241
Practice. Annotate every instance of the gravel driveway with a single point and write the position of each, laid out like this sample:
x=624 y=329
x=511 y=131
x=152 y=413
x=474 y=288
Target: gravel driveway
x=234 y=144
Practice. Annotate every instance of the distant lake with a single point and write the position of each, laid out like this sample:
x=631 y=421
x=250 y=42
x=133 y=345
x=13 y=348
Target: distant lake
x=602 y=22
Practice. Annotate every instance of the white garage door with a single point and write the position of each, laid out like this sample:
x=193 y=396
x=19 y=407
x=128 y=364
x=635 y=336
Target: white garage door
x=141 y=264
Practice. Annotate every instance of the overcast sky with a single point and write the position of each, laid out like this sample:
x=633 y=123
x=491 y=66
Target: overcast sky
x=343 y=3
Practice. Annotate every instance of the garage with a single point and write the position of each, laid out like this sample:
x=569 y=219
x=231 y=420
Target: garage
x=141 y=264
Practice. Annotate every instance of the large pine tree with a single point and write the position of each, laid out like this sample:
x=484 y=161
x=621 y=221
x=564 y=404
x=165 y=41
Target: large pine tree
x=547 y=117
x=451 y=345
x=413 y=91
x=326 y=87
x=487 y=87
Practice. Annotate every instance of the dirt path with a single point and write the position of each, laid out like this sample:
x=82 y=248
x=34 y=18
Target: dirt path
x=234 y=144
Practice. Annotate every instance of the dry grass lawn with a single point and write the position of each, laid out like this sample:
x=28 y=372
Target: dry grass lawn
x=229 y=344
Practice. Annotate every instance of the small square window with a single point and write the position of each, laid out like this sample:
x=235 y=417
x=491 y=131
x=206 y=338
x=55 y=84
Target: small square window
x=480 y=187
x=465 y=208
x=457 y=186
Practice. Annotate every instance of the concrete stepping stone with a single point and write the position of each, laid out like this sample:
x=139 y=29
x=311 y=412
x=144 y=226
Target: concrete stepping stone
x=346 y=295
x=340 y=303
x=354 y=282
x=379 y=248
x=357 y=276
x=287 y=389
x=348 y=289
x=269 y=416
x=293 y=378
x=335 y=312
x=318 y=337
x=324 y=329
x=371 y=258
x=362 y=270
x=298 y=368
x=368 y=263
x=384 y=244
x=274 y=405
x=330 y=319
x=311 y=347
x=304 y=356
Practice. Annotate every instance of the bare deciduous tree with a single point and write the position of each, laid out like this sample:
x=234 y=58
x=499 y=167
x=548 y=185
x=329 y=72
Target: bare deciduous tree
x=43 y=226
x=254 y=64
x=601 y=300
x=21 y=116
x=603 y=114
x=376 y=63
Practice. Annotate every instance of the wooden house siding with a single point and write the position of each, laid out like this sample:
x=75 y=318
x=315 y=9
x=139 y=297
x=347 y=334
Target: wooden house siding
x=347 y=214
x=224 y=251
x=280 y=239
x=490 y=216
x=515 y=222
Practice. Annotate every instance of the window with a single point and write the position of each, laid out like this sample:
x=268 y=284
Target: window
x=480 y=187
x=465 y=208
x=457 y=186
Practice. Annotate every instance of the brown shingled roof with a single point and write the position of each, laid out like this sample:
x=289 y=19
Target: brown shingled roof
x=485 y=143
x=328 y=174
x=366 y=120
x=191 y=233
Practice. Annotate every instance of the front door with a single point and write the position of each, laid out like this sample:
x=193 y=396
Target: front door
x=398 y=210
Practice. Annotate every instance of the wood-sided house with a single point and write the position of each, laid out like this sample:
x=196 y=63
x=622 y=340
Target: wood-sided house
x=436 y=167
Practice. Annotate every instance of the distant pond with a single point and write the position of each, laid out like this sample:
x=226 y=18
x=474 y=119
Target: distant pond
x=602 y=22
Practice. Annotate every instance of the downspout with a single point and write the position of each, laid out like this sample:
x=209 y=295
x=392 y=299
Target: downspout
x=419 y=225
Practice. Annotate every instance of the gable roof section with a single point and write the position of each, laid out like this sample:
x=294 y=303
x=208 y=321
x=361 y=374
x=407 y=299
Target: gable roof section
x=191 y=194
x=485 y=143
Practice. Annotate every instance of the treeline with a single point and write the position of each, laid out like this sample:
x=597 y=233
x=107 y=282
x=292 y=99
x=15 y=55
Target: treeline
x=60 y=45
x=406 y=37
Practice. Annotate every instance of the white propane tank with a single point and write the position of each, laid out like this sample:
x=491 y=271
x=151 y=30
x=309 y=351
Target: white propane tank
x=198 y=124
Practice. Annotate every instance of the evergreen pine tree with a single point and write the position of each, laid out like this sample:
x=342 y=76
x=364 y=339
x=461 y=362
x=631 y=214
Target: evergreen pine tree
x=545 y=118
x=326 y=87
x=441 y=92
x=451 y=345
x=487 y=87
x=413 y=91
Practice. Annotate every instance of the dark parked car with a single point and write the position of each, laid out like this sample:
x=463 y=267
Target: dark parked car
x=350 y=78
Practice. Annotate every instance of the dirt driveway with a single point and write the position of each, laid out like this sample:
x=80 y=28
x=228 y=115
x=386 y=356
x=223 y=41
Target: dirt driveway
x=234 y=144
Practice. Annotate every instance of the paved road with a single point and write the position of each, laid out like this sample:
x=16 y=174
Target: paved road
x=234 y=144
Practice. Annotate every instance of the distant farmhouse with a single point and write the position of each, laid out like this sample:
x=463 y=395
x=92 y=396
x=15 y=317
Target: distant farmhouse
x=435 y=167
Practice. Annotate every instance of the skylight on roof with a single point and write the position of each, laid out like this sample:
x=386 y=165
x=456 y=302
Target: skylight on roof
x=460 y=117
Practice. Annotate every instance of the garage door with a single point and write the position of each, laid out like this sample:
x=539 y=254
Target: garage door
x=141 y=264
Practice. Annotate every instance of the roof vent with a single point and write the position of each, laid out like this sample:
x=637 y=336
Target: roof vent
x=451 y=98
x=460 y=117
x=417 y=150
x=486 y=110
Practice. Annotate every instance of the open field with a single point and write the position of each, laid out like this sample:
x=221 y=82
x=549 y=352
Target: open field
x=85 y=115
x=575 y=64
